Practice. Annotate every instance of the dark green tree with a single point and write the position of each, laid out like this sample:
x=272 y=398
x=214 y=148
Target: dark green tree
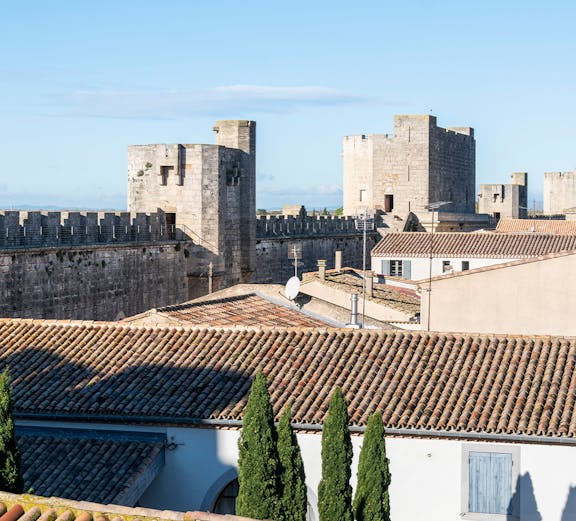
x=10 y=477
x=258 y=465
x=334 y=490
x=294 y=503
x=372 y=502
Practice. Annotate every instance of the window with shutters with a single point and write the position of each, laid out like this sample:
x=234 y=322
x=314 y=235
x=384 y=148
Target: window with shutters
x=396 y=268
x=490 y=473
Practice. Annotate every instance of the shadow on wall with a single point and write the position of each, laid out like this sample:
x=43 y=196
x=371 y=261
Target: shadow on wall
x=128 y=389
x=569 y=512
x=523 y=501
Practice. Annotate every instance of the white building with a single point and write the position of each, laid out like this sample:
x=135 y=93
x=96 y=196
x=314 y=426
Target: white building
x=419 y=255
x=479 y=426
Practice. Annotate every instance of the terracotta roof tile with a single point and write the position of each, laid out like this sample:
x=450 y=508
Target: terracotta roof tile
x=472 y=244
x=27 y=507
x=548 y=226
x=472 y=383
x=92 y=466
x=350 y=280
x=245 y=310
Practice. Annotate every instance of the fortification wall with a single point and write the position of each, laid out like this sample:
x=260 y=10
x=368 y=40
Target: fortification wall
x=93 y=282
x=281 y=225
x=20 y=229
x=275 y=266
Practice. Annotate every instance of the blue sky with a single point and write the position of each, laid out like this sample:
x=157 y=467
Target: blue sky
x=80 y=81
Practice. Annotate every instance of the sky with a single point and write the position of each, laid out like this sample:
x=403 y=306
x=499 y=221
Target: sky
x=80 y=81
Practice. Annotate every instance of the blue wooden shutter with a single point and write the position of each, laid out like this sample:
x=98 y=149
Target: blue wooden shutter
x=490 y=482
x=501 y=468
x=385 y=267
x=407 y=269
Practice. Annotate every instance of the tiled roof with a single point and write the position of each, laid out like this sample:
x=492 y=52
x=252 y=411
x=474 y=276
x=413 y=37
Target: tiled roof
x=242 y=310
x=81 y=465
x=472 y=244
x=418 y=380
x=350 y=280
x=27 y=507
x=551 y=226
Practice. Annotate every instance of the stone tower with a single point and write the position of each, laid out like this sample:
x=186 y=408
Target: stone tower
x=208 y=192
x=503 y=201
x=559 y=192
x=421 y=163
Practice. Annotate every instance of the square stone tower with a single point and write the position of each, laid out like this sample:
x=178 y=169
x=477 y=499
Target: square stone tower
x=505 y=200
x=420 y=164
x=208 y=192
x=559 y=192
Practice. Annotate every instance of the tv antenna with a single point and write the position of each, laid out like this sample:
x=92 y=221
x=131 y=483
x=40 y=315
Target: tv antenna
x=295 y=252
x=364 y=224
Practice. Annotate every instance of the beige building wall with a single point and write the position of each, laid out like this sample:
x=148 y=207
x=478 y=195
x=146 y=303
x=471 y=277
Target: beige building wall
x=532 y=297
x=419 y=164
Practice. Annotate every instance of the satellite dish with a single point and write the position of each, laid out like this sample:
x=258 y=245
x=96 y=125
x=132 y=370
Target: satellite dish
x=292 y=288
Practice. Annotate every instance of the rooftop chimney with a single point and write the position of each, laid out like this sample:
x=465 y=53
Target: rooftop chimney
x=338 y=261
x=322 y=269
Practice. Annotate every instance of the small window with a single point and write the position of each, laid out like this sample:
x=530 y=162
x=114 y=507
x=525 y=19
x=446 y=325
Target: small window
x=490 y=475
x=388 y=202
x=396 y=268
x=446 y=266
x=465 y=265
x=363 y=196
x=164 y=171
x=226 y=501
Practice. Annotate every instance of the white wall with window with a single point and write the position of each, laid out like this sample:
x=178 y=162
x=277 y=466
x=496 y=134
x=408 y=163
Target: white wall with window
x=441 y=479
x=418 y=268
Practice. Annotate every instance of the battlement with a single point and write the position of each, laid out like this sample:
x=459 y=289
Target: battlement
x=287 y=226
x=38 y=229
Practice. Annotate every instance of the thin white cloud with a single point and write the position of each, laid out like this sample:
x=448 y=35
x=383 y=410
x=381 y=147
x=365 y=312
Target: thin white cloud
x=222 y=100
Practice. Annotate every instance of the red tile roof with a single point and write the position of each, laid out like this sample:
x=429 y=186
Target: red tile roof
x=550 y=226
x=350 y=280
x=104 y=465
x=418 y=380
x=27 y=507
x=472 y=244
x=242 y=310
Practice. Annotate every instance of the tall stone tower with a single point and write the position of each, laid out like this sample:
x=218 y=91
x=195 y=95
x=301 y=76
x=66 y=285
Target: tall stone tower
x=208 y=192
x=421 y=163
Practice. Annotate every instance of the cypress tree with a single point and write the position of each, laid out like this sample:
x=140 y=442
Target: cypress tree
x=372 y=502
x=258 y=465
x=294 y=504
x=334 y=490
x=10 y=477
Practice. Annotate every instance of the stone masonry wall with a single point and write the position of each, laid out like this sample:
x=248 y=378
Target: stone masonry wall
x=93 y=283
x=419 y=164
x=559 y=192
x=274 y=265
x=45 y=229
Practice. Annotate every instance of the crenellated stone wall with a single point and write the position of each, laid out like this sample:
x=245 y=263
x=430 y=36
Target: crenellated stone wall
x=21 y=229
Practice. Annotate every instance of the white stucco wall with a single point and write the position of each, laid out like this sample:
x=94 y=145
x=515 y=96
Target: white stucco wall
x=426 y=473
x=421 y=265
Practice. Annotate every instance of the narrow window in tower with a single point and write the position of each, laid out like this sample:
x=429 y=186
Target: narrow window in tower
x=164 y=171
x=363 y=196
x=388 y=202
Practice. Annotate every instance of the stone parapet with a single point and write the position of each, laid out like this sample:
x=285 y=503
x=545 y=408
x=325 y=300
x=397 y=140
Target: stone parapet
x=22 y=229
x=285 y=226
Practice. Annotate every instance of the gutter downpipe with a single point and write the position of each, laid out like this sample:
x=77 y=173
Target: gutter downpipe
x=406 y=433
